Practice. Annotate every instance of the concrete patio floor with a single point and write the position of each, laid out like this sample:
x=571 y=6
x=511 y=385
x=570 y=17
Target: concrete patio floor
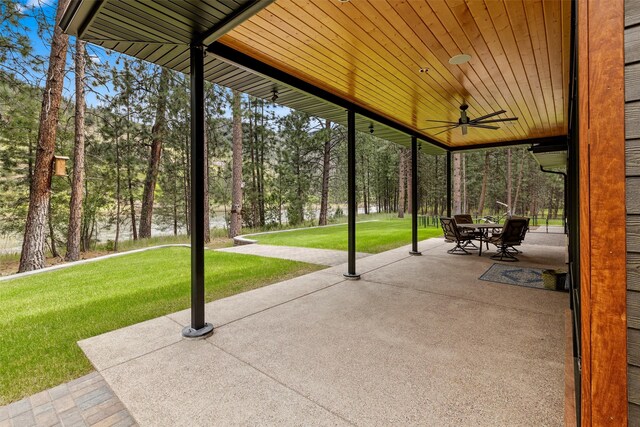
x=417 y=341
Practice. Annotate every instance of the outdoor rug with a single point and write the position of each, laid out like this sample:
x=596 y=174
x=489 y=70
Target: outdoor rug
x=520 y=276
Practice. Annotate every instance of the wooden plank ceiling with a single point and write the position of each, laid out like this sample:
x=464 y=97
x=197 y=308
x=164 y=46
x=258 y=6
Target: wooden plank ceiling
x=370 y=52
x=160 y=31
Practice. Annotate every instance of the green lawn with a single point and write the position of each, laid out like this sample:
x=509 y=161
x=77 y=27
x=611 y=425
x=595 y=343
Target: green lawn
x=371 y=237
x=43 y=316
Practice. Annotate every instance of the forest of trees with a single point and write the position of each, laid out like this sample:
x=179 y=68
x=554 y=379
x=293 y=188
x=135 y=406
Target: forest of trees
x=130 y=155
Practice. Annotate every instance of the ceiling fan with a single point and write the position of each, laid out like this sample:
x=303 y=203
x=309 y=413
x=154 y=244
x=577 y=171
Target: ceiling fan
x=465 y=122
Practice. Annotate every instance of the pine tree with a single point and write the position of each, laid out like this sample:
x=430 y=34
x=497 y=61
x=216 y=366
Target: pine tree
x=77 y=186
x=402 y=180
x=157 y=136
x=235 y=226
x=33 y=256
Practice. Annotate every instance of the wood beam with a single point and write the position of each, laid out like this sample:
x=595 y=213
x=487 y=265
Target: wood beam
x=602 y=212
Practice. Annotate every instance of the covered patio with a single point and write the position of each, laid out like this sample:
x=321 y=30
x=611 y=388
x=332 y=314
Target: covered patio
x=419 y=340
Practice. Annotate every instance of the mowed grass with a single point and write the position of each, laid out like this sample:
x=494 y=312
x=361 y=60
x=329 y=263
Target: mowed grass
x=43 y=316
x=371 y=237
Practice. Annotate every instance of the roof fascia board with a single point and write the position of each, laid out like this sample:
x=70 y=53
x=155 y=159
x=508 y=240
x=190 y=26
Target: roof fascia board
x=74 y=8
x=550 y=140
x=92 y=17
x=231 y=21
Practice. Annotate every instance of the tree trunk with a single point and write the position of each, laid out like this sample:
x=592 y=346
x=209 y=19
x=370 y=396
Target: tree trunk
x=30 y=141
x=299 y=193
x=408 y=171
x=368 y=190
x=509 y=186
x=465 y=206
x=261 y=167
x=519 y=183
x=483 y=190
x=457 y=183
x=115 y=243
x=187 y=184
x=207 y=225
x=132 y=206
x=52 y=238
x=85 y=236
x=253 y=138
x=326 y=170
x=32 y=256
x=436 y=201
x=157 y=136
x=363 y=167
x=175 y=201
x=235 y=226
x=77 y=183
x=401 y=182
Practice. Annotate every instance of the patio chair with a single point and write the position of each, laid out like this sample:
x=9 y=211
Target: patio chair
x=512 y=234
x=453 y=234
x=524 y=232
x=463 y=219
x=467 y=219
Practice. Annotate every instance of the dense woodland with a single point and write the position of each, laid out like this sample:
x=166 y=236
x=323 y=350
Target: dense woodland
x=268 y=166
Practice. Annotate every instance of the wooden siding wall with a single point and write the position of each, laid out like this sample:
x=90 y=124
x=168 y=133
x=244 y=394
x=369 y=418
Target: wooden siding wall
x=632 y=135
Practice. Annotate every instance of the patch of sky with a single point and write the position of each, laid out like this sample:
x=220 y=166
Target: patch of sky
x=34 y=14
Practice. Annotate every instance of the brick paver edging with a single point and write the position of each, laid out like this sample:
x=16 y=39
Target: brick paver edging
x=86 y=401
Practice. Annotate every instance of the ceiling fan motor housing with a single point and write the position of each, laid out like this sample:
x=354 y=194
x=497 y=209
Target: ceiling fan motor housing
x=464 y=122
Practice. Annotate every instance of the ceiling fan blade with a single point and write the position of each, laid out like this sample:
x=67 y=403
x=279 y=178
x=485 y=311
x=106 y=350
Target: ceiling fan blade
x=464 y=129
x=495 y=113
x=437 y=127
x=508 y=119
x=441 y=121
x=483 y=126
x=453 y=127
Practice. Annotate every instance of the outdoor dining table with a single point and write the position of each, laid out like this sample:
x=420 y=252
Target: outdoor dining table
x=483 y=228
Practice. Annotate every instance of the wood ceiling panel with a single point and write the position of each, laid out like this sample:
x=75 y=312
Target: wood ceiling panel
x=352 y=58
x=454 y=40
x=534 y=17
x=369 y=52
x=553 y=25
x=401 y=35
x=335 y=72
x=486 y=67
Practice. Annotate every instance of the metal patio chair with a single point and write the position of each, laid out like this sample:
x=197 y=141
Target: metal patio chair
x=463 y=219
x=512 y=234
x=524 y=233
x=467 y=219
x=453 y=234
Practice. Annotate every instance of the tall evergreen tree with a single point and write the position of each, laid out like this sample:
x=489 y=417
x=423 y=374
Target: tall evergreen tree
x=158 y=132
x=33 y=255
x=77 y=186
x=457 y=183
x=402 y=181
x=235 y=226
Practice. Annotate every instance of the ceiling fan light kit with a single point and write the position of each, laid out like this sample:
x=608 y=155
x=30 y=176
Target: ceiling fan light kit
x=460 y=59
x=465 y=122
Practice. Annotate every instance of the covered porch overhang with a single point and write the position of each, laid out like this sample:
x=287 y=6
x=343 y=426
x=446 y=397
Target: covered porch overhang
x=388 y=65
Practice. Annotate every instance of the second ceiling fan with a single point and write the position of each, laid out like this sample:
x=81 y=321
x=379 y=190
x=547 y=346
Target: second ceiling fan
x=465 y=122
